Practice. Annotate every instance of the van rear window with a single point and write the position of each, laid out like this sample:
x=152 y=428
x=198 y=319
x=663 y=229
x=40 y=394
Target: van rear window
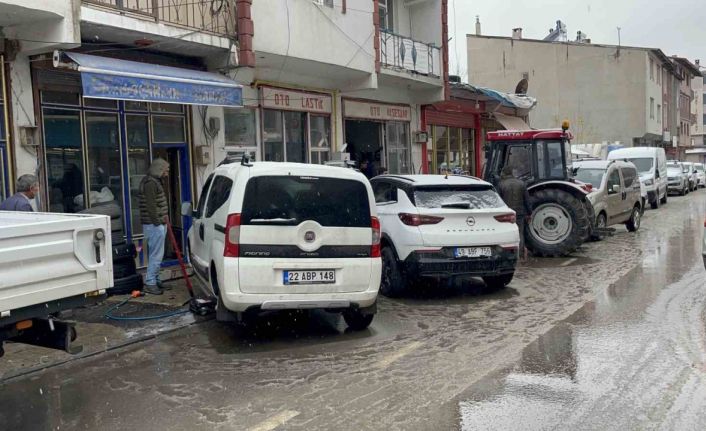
x=290 y=200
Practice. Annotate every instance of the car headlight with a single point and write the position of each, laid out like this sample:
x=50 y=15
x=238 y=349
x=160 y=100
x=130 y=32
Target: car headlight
x=649 y=182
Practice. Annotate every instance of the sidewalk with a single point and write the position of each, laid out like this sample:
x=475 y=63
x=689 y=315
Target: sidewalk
x=97 y=334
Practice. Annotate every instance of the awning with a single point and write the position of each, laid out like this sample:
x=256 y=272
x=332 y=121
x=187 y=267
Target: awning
x=511 y=123
x=696 y=151
x=110 y=78
x=509 y=100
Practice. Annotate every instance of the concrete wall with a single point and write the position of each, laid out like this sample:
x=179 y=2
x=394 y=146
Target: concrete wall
x=603 y=94
x=421 y=21
x=316 y=32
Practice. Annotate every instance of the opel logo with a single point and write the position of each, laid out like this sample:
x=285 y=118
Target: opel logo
x=309 y=236
x=470 y=221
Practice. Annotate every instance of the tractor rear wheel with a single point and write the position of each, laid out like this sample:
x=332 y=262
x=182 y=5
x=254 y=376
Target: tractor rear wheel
x=560 y=223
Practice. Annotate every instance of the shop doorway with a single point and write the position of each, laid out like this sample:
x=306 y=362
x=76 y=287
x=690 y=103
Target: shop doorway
x=177 y=189
x=365 y=140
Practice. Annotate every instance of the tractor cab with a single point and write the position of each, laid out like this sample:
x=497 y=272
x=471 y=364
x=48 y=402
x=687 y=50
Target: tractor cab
x=533 y=155
x=562 y=217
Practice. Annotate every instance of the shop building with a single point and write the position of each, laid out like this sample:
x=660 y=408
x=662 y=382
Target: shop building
x=458 y=127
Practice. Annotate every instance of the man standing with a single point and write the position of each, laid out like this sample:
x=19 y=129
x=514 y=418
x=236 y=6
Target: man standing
x=153 y=214
x=27 y=189
x=514 y=193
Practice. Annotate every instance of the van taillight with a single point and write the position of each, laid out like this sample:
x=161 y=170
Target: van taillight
x=418 y=220
x=375 y=248
x=232 y=247
x=506 y=218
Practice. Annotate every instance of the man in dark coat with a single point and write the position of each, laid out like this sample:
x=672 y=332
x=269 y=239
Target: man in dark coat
x=514 y=193
x=154 y=210
x=27 y=189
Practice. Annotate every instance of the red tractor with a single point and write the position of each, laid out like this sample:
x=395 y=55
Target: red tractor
x=562 y=216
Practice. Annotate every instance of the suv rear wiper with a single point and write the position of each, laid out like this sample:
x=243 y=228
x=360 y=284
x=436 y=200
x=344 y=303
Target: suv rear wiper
x=462 y=205
x=273 y=220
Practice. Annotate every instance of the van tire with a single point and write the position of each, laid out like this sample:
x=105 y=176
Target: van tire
x=601 y=223
x=357 y=320
x=664 y=199
x=635 y=219
x=392 y=281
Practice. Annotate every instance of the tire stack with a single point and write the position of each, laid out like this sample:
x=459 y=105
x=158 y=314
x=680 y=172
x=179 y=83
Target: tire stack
x=125 y=276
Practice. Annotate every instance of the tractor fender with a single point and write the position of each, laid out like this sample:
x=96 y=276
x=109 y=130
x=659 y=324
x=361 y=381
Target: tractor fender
x=566 y=186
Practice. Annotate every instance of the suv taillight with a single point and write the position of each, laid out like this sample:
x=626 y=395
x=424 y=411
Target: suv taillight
x=418 y=220
x=506 y=218
x=375 y=248
x=232 y=247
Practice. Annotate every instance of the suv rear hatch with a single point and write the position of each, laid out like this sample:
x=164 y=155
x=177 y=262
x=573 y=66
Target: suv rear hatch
x=460 y=215
x=305 y=234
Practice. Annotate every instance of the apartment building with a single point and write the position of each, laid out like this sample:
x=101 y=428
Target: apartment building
x=689 y=93
x=609 y=93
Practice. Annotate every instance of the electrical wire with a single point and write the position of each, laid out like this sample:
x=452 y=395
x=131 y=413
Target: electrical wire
x=108 y=314
x=289 y=40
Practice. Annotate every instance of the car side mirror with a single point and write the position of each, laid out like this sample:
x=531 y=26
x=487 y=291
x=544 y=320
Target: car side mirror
x=614 y=189
x=187 y=210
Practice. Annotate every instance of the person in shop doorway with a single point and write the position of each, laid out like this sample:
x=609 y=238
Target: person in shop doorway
x=514 y=192
x=367 y=167
x=153 y=214
x=27 y=189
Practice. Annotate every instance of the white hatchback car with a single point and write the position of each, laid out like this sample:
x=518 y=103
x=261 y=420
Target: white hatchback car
x=443 y=226
x=701 y=174
x=277 y=236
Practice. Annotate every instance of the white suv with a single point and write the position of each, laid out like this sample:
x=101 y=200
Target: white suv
x=443 y=226
x=276 y=236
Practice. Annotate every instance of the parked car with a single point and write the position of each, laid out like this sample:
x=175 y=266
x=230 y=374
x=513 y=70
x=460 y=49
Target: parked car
x=692 y=175
x=700 y=174
x=677 y=178
x=616 y=195
x=443 y=226
x=276 y=236
x=651 y=164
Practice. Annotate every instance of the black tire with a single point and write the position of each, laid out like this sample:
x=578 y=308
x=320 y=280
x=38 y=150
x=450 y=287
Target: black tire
x=655 y=204
x=356 y=320
x=663 y=201
x=498 y=282
x=684 y=191
x=635 y=220
x=566 y=209
x=591 y=216
x=601 y=222
x=393 y=281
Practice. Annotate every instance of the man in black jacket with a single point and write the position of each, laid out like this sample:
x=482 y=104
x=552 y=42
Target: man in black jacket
x=514 y=193
x=153 y=214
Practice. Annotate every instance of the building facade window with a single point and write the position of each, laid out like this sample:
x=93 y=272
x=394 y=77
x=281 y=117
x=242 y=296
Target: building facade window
x=385 y=12
x=452 y=150
x=296 y=126
x=659 y=113
x=652 y=108
x=240 y=131
x=652 y=70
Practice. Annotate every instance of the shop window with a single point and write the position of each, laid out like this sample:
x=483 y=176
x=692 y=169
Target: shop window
x=135 y=106
x=61 y=98
x=104 y=167
x=64 y=159
x=273 y=138
x=239 y=127
x=167 y=107
x=441 y=145
x=295 y=133
x=455 y=164
x=100 y=103
x=398 y=156
x=320 y=138
x=138 y=162
x=167 y=128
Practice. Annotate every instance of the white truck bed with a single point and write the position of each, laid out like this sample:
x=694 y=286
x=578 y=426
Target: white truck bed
x=46 y=257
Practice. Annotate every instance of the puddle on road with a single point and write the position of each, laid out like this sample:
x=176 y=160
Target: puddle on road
x=632 y=359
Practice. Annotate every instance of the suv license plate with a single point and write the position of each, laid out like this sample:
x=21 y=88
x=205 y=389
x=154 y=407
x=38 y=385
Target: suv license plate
x=310 y=277
x=473 y=252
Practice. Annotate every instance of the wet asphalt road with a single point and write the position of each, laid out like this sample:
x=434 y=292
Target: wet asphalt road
x=611 y=338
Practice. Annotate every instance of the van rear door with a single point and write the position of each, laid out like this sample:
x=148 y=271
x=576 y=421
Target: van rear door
x=305 y=234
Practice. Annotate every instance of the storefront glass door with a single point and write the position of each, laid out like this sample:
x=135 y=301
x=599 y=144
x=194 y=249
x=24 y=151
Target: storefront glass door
x=397 y=142
x=177 y=189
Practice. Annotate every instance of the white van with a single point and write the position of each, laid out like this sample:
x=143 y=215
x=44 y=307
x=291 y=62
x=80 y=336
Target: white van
x=651 y=163
x=278 y=236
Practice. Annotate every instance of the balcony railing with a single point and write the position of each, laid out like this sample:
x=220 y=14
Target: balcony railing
x=406 y=54
x=212 y=16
